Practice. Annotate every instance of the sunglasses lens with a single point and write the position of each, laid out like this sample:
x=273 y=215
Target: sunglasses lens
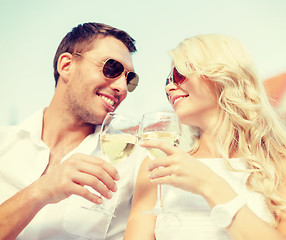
x=168 y=80
x=132 y=81
x=112 y=69
x=178 y=78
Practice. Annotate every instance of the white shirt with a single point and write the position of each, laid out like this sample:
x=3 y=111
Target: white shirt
x=23 y=159
x=191 y=219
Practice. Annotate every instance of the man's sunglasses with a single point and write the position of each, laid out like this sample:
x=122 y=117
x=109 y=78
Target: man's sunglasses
x=113 y=69
x=176 y=77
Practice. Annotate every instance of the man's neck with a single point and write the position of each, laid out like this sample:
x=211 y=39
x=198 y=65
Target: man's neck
x=62 y=131
x=62 y=134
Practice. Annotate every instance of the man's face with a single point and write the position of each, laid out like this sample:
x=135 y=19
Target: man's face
x=89 y=94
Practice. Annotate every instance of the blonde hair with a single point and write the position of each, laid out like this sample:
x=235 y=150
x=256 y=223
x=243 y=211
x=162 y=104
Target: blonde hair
x=247 y=124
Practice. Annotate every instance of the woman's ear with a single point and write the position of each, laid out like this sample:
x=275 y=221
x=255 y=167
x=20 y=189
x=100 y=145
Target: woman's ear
x=64 y=64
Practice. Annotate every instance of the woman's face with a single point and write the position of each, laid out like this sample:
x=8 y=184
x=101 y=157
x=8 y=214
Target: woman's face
x=194 y=101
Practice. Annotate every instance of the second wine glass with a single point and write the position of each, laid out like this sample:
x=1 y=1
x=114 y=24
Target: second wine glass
x=163 y=126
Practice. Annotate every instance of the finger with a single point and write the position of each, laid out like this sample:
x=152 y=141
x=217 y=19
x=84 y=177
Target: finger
x=164 y=146
x=171 y=180
x=100 y=174
x=159 y=162
x=163 y=180
x=85 y=193
x=89 y=180
x=160 y=172
x=108 y=167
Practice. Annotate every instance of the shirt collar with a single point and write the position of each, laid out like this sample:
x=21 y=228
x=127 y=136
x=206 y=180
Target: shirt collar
x=34 y=125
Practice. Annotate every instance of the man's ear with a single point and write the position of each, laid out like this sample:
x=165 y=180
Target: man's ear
x=64 y=64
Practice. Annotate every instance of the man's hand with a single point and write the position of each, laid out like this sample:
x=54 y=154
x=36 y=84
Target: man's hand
x=73 y=174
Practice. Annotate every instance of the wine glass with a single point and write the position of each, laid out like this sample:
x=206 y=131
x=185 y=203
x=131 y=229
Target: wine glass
x=163 y=126
x=118 y=138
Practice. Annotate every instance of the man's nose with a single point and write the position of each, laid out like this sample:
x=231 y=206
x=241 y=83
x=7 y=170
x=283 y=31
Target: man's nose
x=120 y=84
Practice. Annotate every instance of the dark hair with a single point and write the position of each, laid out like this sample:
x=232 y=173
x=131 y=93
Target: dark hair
x=80 y=39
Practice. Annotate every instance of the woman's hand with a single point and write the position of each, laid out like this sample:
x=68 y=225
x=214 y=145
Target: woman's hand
x=181 y=170
x=178 y=169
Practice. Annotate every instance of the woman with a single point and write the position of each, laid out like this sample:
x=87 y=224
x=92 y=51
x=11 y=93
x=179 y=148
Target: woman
x=231 y=184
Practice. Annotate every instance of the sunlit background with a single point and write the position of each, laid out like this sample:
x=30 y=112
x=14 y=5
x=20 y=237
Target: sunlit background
x=31 y=31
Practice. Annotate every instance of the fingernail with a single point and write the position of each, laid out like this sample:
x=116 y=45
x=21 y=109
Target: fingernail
x=117 y=176
x=109 y=195
x=99 y=201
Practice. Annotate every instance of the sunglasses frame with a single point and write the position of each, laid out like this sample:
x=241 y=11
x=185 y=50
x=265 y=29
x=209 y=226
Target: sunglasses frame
x=131 y=84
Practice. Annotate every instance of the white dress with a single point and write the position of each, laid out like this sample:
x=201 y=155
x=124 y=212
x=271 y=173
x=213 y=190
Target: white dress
x=191 y=220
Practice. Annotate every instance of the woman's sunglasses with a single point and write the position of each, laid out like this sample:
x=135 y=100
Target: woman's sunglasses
x=113 y=69
x=176 y=77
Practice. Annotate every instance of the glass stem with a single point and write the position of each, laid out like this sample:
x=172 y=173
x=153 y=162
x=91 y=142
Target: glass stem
x=159 y=196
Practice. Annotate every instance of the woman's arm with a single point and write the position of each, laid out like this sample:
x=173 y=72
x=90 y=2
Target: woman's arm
x=141 y=226
x=181 y=170
x=246 y=225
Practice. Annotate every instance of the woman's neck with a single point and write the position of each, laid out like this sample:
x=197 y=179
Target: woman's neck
x=207 y=146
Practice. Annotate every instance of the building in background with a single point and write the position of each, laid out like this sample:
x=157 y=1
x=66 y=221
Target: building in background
x=276 y=90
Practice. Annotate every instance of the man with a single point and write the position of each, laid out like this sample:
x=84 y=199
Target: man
x=50 y=167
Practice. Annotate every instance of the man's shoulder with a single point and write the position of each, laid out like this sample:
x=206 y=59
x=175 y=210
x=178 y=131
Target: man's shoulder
x=7 y=131
x=29 y=124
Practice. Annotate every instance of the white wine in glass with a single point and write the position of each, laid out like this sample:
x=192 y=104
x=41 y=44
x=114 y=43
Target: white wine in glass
x=118 y=138
x=163 y=126
x=116 y=147
x=170 y=137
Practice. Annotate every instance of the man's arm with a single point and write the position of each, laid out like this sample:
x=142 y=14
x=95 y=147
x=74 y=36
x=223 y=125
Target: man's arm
x=18 y=211
x=66 y=179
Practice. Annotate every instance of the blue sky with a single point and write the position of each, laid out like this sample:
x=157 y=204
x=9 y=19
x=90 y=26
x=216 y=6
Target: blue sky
x=31 y=31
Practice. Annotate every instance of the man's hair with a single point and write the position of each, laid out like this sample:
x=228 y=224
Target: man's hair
x=80 y=39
